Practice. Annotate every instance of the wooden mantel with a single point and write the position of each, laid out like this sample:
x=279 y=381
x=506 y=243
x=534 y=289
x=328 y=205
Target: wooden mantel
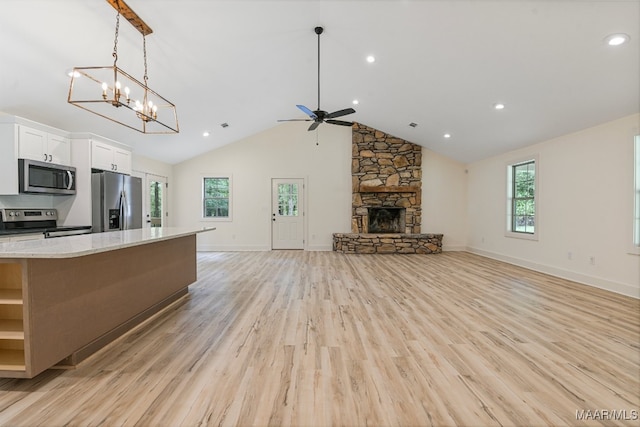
x=390 y=188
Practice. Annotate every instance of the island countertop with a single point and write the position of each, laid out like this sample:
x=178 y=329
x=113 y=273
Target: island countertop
x=87 y=244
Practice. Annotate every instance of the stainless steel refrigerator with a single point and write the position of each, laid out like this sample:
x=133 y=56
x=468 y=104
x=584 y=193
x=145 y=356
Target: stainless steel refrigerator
x=116 y=202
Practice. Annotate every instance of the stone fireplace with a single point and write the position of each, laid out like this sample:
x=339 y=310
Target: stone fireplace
x=386 y=213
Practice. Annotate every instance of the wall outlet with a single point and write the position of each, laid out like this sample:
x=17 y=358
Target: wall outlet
x=592 y=260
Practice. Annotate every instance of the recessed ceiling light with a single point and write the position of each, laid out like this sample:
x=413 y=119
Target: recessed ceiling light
x=447 y=135
x=616 y=39
x=355 y=102
x=498 y=106
x=371 y=59
x=205 y=133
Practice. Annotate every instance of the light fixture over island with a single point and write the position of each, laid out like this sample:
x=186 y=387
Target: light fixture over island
x=63 y=299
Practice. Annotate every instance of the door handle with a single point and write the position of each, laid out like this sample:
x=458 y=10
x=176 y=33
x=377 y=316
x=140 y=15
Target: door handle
x=70 y=175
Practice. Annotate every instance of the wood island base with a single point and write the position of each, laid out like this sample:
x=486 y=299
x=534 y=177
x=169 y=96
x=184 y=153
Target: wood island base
x=61 y=310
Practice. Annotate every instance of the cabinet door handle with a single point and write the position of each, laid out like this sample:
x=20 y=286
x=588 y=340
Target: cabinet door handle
x=50 y=158
x=45 y=157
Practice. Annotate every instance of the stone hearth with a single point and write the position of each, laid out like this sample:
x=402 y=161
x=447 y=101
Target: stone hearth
x=358 y=243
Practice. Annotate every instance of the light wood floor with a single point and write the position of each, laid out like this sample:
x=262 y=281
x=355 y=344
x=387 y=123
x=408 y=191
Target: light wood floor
x=319 y=338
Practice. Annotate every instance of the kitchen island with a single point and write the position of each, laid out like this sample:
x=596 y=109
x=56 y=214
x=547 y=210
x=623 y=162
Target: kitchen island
x=63 y=299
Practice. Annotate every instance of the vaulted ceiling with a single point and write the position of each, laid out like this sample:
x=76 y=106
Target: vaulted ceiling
x=439 y=64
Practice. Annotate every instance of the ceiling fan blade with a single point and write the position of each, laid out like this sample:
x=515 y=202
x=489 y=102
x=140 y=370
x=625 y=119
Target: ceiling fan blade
x=294 y=120
x=339 y=122
x=307 y=111
x=314 y=125
x=340 y=113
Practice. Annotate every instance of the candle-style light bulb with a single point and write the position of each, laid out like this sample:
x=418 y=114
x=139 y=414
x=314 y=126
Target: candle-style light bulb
x=104 y=90
x=118 y=86
x=126 y=93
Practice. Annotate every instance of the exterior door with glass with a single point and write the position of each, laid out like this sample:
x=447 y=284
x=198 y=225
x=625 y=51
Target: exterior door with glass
x=287 y=220
x=156 y=203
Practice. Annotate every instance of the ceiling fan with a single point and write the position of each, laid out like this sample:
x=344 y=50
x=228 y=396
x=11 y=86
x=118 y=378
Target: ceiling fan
x=320 y=116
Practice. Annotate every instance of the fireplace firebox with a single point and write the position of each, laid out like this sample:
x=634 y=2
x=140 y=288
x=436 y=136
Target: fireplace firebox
x=386 y=220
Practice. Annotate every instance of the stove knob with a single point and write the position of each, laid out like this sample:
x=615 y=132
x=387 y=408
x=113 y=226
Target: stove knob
x=17 y=213
x=12 y=214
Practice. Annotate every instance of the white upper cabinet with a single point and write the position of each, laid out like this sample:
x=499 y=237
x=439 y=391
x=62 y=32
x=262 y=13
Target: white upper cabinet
x=43 y=146
x=109 y=157
x=25 y=139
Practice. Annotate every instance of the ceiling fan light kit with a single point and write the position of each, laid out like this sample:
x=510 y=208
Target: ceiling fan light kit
x=320 y=116
x=112 y=93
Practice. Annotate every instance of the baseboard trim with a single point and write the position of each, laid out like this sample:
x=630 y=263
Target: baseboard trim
x=233 y=248
x=256 y=248
x=320 y=248
x=454 y=248
x=594 y=281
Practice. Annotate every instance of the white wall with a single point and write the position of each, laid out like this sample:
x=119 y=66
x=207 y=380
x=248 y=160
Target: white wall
x=284 y=151
x=444 y=199
x=585 y=206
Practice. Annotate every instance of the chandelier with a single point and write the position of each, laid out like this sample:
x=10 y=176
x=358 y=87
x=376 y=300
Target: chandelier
x=110 y=92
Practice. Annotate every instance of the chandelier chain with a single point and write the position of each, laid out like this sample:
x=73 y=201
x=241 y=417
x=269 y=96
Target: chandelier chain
x=144 y=52
x=115 y=41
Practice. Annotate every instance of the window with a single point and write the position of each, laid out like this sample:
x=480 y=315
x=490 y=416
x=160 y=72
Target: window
x=288 y=199
x=216 y=200
x=636 y=222
x=521 y=199
x=155 y=203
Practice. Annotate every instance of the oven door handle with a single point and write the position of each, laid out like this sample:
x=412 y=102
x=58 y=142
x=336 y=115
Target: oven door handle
x=70 y=185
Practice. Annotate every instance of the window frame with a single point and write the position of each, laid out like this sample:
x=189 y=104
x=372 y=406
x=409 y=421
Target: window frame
x=228 y=218
x=509 y=179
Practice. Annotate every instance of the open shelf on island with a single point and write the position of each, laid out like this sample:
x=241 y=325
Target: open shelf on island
x=12 y=356
x=11 y=296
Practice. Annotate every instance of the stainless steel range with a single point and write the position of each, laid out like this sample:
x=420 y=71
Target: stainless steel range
x=45 y=221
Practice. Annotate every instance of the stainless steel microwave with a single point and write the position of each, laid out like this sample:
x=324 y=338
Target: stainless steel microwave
x=46 y=178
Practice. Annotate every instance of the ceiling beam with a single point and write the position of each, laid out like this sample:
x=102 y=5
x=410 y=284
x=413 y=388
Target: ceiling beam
x=131 y=16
